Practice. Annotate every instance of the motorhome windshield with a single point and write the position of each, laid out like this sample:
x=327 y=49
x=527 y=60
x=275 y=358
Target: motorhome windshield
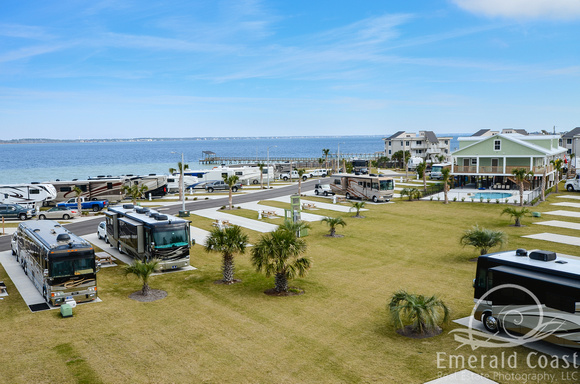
x=71 y=267
x=436 y=168
x=170 y=236
x=387 y=185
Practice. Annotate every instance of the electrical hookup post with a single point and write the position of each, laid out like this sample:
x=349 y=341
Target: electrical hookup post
x=294 y=213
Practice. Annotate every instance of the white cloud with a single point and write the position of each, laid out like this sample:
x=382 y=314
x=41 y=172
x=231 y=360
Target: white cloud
x=523 y=9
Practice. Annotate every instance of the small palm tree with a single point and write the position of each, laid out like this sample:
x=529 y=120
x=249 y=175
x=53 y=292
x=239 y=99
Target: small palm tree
x=521 y=175
x=279 y=253
x=325 y=152
x=135 y=191
x=261 y=167
x=78 y=192
x=422 y=314
x=516 y=214
x=294 y=227
x=333 y=222
x=143 y=270
x=422 y=172
x=357 y=205
x=227 y=241
x=181 y=168
x=446 y=177
x=558 y=166
x=231 y=182
x=413 y=193
x=482 y=239
x=301 y=173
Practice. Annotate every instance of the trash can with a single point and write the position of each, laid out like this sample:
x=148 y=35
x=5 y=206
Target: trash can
x=66 y=310
x=536 y=214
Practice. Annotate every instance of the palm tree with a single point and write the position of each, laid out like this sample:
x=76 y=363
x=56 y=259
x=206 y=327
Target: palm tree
x=135 y=191
x=422 y=314
x=482 y=239
x=422 y=172
x=181 y=168
x=278 y=253
x=231 y=182
x=294 y=227
x=516 y=214
x=227 y=241
x=333 y=222
x=301 y=173
x=78 y=192
x=261 y=166
x=558 y=166
x=325 y=152
x=358 y=205
x=143 y=270
x=521 y=175
x=413 y=193
x=446 y=177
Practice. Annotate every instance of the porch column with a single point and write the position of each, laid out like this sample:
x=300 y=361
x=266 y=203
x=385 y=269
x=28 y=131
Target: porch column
x=504 y=165
x=531 y=163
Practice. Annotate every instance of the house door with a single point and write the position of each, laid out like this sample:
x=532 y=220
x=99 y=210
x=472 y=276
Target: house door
x=494 y=165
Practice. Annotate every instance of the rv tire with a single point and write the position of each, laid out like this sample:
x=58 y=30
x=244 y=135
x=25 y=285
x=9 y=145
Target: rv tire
x=119 y=248
x=41 y=217
x=255 y=182
x=375 y=199
x=347 y=195
x=570 y=188
x=490 y=323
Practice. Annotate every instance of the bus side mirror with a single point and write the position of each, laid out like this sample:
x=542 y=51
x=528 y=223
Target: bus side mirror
x=97 y=267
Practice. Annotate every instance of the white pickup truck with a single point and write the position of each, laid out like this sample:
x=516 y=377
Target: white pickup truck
x=573 y=184
x=294 y=175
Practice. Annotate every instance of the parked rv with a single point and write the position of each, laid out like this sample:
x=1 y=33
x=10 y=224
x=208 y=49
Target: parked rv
x=365 y=187
x=33 y=195
x=99 y=188
x=437 y=170
x=413 y=162
x=156 y=184
x=173 y=182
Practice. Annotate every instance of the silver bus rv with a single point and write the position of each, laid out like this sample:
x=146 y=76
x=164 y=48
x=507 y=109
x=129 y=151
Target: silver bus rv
x=365 y=187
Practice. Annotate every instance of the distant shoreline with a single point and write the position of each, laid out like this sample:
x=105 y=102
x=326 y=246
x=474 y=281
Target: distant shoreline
x=147 y=139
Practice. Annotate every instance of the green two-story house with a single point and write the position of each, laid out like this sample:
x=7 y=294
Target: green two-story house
x=492 y=159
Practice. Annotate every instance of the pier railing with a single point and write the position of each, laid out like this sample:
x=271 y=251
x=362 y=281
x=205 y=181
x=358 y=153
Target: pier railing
x=309 y=162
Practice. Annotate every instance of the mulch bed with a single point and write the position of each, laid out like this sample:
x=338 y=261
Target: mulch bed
x=230 y=283
x=292 y=291
x=334 y=235
x=358 y=217
x=408 y=332
x=154 y=295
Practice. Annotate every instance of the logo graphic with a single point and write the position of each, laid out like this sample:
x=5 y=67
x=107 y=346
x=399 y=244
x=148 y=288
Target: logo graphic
x=541 y=322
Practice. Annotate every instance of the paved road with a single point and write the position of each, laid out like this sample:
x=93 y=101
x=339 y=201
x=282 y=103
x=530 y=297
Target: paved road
x=90 y=226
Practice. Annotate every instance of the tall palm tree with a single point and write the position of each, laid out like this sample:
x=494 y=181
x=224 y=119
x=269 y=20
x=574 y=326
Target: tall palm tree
x=446 y=177
x=261 y=167
x=227 y=241
x=357 y=205
x=558 y=166
x=325 y=152
x=421 y=313
x=135 y=191
x=301 y=173
x=279 y=253
x=78 y=192
x=521 y=175
x=333 y=222
x=482 y=239
x=294 y=227
x=517 y=214
x=422 y=172
x=181 y=168
x=143 y=270
x=231 y=182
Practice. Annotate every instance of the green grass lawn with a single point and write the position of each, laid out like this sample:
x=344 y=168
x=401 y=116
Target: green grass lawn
x=337 y=332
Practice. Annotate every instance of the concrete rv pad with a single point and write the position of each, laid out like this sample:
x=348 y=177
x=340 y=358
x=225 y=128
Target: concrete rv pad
x=563 y=239
x=560 y=224
x=563 y=213
x=567 y=204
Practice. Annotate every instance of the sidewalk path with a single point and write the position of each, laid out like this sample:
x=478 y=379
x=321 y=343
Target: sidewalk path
x=254 y=206
x=255 y=225
x=328 y=206
x=560 y=224
x=567 y=204
x=563 y=239
x=563 y=213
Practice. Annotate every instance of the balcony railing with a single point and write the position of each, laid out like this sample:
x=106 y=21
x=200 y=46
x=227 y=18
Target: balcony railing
x=472 y=169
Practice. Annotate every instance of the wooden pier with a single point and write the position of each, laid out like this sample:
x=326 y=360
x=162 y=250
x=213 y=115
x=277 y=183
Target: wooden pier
x=301 y=162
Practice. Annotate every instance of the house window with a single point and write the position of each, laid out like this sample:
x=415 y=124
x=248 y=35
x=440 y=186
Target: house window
x=474 y=161
x=418 y=142
x=446 y=142
x=497 y=145
x=568 y=141
x=419 y=151
x=389 y=143
x=406 y=143
x=389 y=151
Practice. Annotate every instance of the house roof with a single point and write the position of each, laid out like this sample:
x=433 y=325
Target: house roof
x=430 y=136
x=481 y=132
x=521 y=131
x=572 y=133
x=395 y=135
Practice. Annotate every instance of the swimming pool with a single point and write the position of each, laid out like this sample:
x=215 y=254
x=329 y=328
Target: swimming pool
x=492 y=195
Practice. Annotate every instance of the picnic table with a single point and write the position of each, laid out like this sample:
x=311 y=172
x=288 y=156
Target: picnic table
x=104 y=258
x=308 y=205
x=221 y=224
x=269 y=214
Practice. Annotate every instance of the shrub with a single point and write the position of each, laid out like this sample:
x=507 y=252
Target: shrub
x=462 y=199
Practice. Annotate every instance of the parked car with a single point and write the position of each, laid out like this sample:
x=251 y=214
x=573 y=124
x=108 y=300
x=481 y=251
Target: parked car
x=55 y=213
x=320 y=172
x=221 y=185
x=294 y=175
x=102 y=232
x=323 y=189
x=16 y=211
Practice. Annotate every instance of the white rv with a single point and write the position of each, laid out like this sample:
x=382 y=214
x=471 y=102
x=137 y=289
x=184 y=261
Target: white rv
x=173 y=182
x=99 y=188
x=156 y=184
x=32 y=195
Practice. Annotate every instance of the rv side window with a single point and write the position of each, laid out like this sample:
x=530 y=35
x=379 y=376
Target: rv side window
x=109 y=185
x=239 y=173
x=65 y=189
x=337 y=181
x=35 y=191
x=376 y=186
x=82 y=187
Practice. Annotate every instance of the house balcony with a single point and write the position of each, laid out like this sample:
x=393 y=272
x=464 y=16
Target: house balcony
x=491 y=170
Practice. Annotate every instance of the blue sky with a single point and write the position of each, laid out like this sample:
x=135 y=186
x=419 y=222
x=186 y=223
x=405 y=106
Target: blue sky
x=171 y=68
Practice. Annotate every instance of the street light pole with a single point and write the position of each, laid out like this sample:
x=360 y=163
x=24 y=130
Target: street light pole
x=181 y=186
x=268 y=164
